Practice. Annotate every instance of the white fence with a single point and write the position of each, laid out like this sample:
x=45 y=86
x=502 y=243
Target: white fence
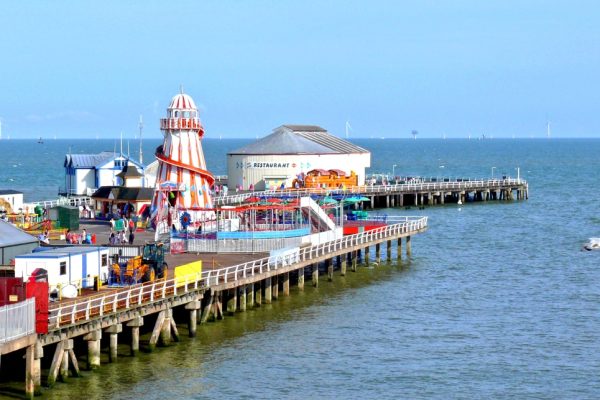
x=17 y=320
x=380 y=189
x=81 y=310
x=68 y=201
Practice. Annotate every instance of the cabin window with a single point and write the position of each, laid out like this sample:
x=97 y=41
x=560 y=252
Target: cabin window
x=63 y=268
x=104 y=260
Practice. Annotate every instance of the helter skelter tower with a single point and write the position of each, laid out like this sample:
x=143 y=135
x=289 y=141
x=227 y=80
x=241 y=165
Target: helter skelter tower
x=182 y=181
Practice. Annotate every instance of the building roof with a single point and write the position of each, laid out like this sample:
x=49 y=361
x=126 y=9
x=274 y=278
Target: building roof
x=10 y=235
x=9 y=191
x=182 y=101
x=300 y=139
x=87 y=160
x=60 y=252
x=120 y=193
x=129 y=171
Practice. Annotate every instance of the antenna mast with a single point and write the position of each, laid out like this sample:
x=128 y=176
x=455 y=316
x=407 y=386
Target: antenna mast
x=141 y=125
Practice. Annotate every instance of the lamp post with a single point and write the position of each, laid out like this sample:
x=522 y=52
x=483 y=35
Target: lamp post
x=493 y=168
x=518 y=173
x=394 y=171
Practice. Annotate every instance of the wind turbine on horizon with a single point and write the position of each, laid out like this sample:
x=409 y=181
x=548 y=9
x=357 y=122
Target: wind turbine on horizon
x=348 y=128
x=548 y=129
x=414 y=133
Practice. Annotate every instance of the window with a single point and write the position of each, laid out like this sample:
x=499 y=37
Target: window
x=63 y=268
x=104 y=260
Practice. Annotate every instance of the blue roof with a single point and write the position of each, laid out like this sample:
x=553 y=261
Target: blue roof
x=58 y=252
x=87 y=160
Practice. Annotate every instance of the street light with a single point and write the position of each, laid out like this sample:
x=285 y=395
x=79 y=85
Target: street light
x=493 y=168
x=518 y=173
x=394 y=171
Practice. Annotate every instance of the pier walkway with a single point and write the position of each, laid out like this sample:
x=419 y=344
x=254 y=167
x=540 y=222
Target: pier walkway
x=408 y=194
x=205 y=296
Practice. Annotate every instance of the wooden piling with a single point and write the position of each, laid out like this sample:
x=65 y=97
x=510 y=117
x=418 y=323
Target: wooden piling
x=113 y=332
x=408 y=247
x=301 y=278
x=193 y=307
x=329 y=263
x=268 y=290
x=135 y=325
x=315 y=275
x=389 y=250
x=242 y=297
x=93 y=340
x=286 y=284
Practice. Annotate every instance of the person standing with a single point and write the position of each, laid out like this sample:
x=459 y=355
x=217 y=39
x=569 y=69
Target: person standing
x=131 y=236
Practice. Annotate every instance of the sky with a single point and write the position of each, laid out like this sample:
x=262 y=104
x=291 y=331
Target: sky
x=79 y=69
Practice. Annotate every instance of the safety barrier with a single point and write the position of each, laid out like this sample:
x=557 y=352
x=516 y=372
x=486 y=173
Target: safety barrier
x=17 y=320
x=82 y=310
x=407 y=188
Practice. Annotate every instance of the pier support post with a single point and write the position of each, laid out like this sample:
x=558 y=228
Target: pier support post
x=93 y=341
x=354 y=261
x=329 y=263
x=135 y=325
x=64 y=366
x=242 y=297
x=367 y=256
x=315 y=275
x=35 y=370
x=268 y=290
x=207 y=307
x=30 y=371
x=275 y=286
x=399 y=249
x=286 y=284
x=387 y=201
x=258 y=294
x=442 y=197
x=372 y=202
x=56 y=362
x=378 y=252
x=113 y=331
x=408 y=247
x=165 y=330
x=250 y=294
x=389 y=250
x=301 y=278
x=156 y=332
x=193 y=307
x=401 y=200
x=343 y=267
x=232 y=301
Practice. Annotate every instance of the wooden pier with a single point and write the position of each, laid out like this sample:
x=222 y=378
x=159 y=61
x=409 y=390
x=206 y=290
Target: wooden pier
x=410 y=194
x=83 y=322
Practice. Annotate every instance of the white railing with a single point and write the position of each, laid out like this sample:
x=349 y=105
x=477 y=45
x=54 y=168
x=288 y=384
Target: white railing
x=379 y=189
x=81 y=310
x=17 y=320
x=69 y=201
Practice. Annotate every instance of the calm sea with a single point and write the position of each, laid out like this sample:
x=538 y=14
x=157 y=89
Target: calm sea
x=498 y=300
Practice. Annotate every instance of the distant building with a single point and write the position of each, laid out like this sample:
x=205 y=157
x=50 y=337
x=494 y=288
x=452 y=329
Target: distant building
x=290 y=151
x=14 y=242
x=125 y=199
x=11 y=201
x=84 y=173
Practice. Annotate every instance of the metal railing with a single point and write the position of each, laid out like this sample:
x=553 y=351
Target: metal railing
x=17 y=320
x=378 y=189
x=81 y=310
x=69 y=201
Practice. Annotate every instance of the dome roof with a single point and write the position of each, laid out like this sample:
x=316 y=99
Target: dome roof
x=182 y=101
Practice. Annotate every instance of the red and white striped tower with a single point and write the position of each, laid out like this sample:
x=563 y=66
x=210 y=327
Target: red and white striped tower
x=182 y=181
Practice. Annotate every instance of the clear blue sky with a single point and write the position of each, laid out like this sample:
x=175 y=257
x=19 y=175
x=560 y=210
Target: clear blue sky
x=500 y=68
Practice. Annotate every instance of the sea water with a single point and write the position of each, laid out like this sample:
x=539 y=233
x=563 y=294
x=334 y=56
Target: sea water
x=497 y=300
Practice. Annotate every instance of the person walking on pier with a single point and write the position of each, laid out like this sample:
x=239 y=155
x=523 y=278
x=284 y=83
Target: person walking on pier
x=131 y=236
